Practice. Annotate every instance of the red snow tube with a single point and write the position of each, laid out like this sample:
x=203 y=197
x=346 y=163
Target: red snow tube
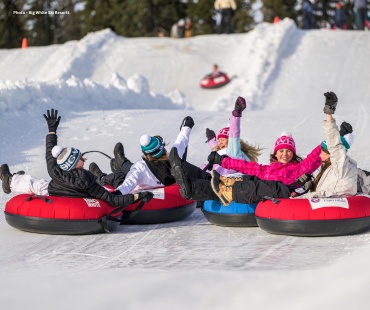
x=77 y=216
x=166 y=206
x=214 y=82
x=315 y=216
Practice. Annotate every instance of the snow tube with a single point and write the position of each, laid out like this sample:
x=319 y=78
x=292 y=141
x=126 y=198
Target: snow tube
x=315 y=216
x=214 y=82
x=167 y=205
x=235 y=214
x=78 y=216
x=60 y=215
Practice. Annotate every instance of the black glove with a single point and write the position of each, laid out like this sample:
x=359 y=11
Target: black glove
x=215 y=158
x=240 y=106
x=117 y=192
x=52 y=119
x=345 y=128
x=146 y=196
x=210 y=134
x=330 y=102
x=187 y=122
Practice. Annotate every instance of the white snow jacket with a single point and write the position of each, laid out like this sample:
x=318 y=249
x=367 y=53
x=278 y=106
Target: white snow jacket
x=140 y=177
x=340 y=178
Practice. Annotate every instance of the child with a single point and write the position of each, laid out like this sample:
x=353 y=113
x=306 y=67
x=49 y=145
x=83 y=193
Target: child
x=228 y=140
x=153 y=170
x=68 y=178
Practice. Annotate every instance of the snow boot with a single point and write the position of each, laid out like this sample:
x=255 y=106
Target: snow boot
x=178 y=173
x=119 y=157
x=95 y=170
x=6 y=178
x=224 y=192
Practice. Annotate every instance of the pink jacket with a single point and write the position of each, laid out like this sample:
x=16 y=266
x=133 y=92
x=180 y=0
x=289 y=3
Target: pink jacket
x=286 y=173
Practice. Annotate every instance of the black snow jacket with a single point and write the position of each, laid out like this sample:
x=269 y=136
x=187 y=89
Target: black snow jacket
x=78 y=183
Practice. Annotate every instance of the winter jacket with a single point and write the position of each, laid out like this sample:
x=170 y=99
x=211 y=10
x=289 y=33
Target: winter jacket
x=233 y=146
x=287 y=173
x=140 y=177
x=77 y=182
x=225 y=4
x=340 y=178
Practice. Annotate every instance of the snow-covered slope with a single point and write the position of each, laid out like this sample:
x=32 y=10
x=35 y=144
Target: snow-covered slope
x=108 y=89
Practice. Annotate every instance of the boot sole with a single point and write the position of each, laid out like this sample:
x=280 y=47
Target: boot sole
x=176 y=170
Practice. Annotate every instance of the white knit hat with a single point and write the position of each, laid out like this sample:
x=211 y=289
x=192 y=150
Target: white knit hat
x=67 y=157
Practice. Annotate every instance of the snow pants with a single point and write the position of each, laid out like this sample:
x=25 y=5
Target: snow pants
x=27 y=184
x=117 y=178
x=250 y=190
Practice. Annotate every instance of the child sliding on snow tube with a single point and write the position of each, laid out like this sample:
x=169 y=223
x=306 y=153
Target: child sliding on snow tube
x=152 y=171
x=228 y=140
x=68 y=178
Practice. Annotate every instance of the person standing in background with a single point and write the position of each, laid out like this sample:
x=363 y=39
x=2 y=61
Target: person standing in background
x=308 y=9
x=227 y=8
x=360 y=9
x=340 y=16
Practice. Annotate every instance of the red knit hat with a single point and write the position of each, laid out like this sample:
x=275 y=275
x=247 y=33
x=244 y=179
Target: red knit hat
x=223 y=133
x=285 y=141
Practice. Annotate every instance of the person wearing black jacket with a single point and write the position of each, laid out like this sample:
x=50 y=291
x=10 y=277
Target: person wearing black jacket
x=68 y=178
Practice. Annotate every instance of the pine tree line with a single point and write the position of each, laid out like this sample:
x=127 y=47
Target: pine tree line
x=135 y=18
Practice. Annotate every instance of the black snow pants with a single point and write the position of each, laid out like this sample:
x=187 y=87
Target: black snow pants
x=250 y=190
x=115 y=179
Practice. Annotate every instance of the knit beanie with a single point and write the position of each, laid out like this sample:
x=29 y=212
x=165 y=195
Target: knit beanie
x=67 y=157
x=347 y=141
x=223 y=133
x=285 y=141
x=153 y=146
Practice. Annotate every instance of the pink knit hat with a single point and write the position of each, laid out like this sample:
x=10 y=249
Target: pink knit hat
x=223 y=133
x=285 y=141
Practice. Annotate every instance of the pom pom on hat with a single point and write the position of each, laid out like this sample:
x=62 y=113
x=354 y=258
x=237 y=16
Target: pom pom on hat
x=347 y=140
x=224 y=133
x=285 y=141
x=151 y=146
x=56 y=151
x=67 y=157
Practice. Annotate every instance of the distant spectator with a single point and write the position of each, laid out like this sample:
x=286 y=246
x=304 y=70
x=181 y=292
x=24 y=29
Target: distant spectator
x=188 y=28
x=161 y=32
x=324 y=24
x=227 y=8
x=178 y=29
x=308 y=9
x=359 y=7
x=340 y=16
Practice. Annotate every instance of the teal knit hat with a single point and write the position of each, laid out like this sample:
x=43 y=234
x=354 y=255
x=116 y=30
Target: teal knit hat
x=346 y=140
x=153 y=146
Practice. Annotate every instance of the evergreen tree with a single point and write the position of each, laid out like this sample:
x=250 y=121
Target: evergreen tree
x=279 y=8
x=202 y=15
x=11 y=24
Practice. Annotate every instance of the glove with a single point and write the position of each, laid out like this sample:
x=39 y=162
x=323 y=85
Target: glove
x=240 y=106
x=146 y=196
x=215 y=158
x=52 y=119
x=330 y=102
x=187 y=122
x=117 y=192
x=210 y=134
x=345 y=128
